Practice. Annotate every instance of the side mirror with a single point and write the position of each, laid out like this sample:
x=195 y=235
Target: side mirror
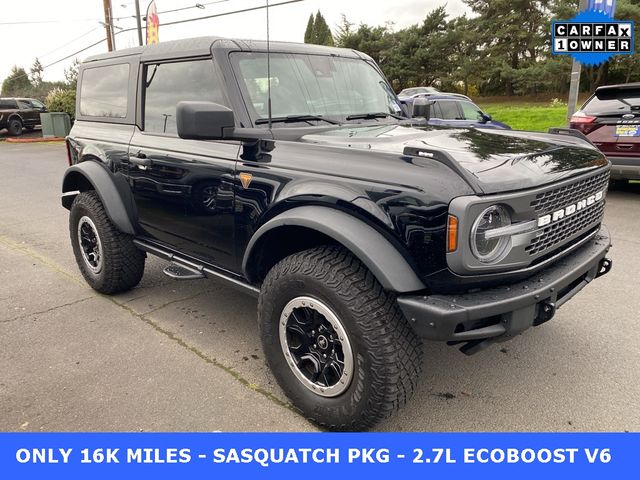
x=485 y=117
x=421 y=108
x=204 y=120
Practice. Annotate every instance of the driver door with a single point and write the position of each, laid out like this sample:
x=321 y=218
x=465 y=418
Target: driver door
x=183 y=189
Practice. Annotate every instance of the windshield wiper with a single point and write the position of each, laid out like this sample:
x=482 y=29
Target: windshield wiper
x=372 y=115
x=295 y=118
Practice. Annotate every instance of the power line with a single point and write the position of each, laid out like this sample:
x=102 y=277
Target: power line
x=197 y=5
x=64 y=58
x=260 y=7
x=69 y=42
x=167 y=24
x=30 y=22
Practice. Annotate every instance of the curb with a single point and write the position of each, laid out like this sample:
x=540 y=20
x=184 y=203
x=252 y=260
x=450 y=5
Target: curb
x=34 y=140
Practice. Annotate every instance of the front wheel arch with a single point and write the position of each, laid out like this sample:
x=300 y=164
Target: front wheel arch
x=330 y=226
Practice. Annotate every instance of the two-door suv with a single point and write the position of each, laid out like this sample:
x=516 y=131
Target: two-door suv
x=297 y=176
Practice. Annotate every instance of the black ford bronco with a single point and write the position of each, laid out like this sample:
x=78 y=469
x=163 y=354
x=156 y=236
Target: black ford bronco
x=297 y=176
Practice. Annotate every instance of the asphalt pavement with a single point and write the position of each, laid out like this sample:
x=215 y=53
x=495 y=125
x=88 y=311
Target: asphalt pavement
x=186 y=356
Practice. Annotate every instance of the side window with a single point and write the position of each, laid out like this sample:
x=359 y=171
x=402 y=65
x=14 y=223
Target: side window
x=37 y=104
x=170 y=83
x=8 y=104
x=449 y=110
x=24 y=105
x=470 y=111
x=104 y=91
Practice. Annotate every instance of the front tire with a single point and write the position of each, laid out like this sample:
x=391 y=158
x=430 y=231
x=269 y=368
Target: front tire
x=108 y=259
x=336 y=341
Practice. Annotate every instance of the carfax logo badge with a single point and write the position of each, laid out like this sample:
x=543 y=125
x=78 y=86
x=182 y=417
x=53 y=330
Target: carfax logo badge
x=592 y=37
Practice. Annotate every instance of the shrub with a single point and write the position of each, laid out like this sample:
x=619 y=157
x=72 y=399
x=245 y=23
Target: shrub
x=62 y=100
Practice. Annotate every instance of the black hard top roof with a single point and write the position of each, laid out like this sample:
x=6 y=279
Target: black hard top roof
x=201 y=46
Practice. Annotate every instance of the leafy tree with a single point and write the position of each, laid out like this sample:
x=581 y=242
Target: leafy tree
x=17 y=84
x=71 y=74
x=513 y=35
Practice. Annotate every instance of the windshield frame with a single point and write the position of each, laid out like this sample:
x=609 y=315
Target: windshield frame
x=245 y=97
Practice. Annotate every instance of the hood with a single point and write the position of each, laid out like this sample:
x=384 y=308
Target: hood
x=491 y=160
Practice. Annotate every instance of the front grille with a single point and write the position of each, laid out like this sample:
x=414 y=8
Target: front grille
x=556 y=199
x=564 y=229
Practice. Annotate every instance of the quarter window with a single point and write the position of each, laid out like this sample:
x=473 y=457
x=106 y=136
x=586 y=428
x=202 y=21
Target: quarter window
x=170 y=83
x=104 y=91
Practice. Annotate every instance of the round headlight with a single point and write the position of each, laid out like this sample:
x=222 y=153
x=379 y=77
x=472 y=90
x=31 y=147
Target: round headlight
x=485 y=249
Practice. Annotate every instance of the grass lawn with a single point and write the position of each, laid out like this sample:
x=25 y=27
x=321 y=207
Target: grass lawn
x=527 y=116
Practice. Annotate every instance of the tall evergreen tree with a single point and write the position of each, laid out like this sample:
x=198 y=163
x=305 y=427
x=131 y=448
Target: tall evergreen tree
x=322 y=30
x=309 y=32
x=318 y=31
x=35 y=73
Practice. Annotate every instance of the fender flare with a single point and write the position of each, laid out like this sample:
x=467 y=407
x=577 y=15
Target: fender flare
x=380 y=256
x=113 y=190
x=15 y=115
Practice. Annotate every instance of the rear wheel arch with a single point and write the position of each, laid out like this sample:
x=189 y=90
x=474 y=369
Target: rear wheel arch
x=112 y=189
x=306 y=227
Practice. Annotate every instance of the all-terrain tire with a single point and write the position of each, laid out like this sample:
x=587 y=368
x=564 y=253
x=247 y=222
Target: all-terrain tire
x=15 y=127
x=122 y=264
x=387 y=353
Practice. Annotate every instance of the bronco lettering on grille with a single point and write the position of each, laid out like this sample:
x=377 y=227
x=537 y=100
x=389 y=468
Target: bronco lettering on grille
x=570 y=210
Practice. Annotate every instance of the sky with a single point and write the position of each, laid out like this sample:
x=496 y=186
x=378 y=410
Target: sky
x=62 y=27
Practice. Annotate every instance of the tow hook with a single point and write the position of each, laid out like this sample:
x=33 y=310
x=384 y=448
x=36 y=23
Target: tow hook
x=605 y=267
x=546 y=312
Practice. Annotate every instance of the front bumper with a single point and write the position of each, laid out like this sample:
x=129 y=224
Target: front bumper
x=625 y=168
x=497 y=314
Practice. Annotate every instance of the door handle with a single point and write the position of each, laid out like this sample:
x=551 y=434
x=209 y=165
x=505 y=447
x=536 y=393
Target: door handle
x=141 y=160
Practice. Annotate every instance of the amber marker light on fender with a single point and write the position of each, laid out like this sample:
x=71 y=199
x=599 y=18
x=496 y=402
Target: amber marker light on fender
x=452 y=234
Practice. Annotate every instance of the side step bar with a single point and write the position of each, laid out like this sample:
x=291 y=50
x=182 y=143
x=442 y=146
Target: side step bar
x=184 y=269
x=182 y=272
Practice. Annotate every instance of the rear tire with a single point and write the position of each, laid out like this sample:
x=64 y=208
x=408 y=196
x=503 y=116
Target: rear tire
x=108 y=259
x=386 y=356
x=15 y=127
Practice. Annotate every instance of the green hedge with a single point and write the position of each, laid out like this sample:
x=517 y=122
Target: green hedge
x=59 y=100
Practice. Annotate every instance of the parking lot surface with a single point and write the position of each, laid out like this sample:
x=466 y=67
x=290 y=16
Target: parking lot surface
x=186 y=355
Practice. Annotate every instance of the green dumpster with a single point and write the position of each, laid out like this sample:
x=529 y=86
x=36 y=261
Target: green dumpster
x=55 y=124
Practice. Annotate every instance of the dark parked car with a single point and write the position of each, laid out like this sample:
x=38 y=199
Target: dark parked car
x=610 y=118
x=361 y=231
x=454 y=110
x=16 y=113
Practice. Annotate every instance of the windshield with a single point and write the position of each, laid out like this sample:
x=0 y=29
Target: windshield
x=313 y=85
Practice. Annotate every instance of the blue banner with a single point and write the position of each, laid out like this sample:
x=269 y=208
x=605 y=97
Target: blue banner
x=606 y=6
x=283 y=456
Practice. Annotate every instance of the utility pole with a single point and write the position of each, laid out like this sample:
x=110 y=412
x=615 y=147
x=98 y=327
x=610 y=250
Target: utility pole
x=108 y=25
x=576 y=68
x=139 y=22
